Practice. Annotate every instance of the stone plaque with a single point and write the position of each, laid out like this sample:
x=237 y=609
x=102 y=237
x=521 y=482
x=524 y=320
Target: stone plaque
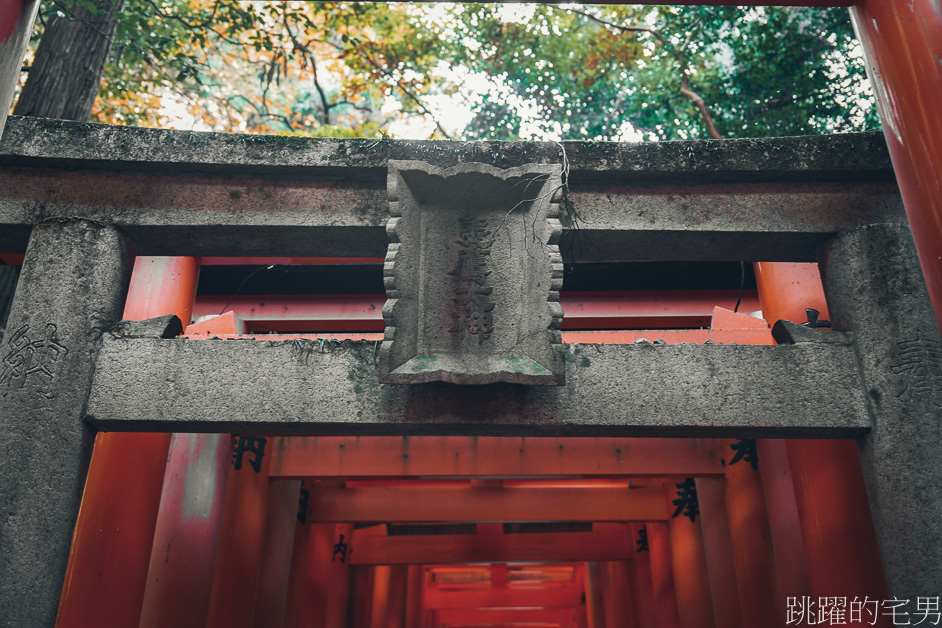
x=473 y=274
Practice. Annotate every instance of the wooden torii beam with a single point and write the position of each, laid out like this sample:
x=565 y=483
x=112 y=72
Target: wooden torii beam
x=359 y=505
x=613 y=542
x=508 y=616
x=474 y=456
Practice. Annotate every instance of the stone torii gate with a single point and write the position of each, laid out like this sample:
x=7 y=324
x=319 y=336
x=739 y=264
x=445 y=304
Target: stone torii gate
x=68 y=371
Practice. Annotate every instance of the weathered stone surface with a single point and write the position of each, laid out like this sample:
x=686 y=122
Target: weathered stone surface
x=730 y=221
x=846 y=157
x=473 y=275
x=316 y=215
x=611 y=390
x=182 y=193
x=71 y=289
x=167 y=326
x=789 y=333
x=875 y=289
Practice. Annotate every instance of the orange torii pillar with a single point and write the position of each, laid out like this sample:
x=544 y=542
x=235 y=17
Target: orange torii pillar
x=379 y=607
x=186 y=541
x=840 y=547
x=595 y=606
x=840 y=544
x=362 y=584
x=275 y=569
x=640 y=571
x=114 y=533
x=718 y=547
x=902 y=43
x=760 y=597
x=398 y=592
x=791 y=564
x=786 y=290
x=415 y=612
x=319 y=593
x=182 y=560
x=688 y=561
x=241 y=540
x=339 y=596
x=303 y=593
x=617 y=595
x=662 y=575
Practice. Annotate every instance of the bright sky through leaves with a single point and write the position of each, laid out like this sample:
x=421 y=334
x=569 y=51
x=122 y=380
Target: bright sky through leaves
x=474 y=71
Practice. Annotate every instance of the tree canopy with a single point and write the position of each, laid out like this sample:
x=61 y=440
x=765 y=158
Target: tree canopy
x=480 y=71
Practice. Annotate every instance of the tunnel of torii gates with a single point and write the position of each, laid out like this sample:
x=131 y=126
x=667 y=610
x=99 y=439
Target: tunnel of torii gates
x=245 y=483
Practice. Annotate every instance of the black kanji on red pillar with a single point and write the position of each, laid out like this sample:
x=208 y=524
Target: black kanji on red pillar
x=746 y=450
x=642 y=541
x=304 y=506
x=340 y=548
x=686 y=501
x=248 y=444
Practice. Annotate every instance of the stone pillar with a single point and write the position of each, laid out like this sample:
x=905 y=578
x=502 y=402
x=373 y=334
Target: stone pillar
x=16 y=25
x=875 y=289
x=71 y=288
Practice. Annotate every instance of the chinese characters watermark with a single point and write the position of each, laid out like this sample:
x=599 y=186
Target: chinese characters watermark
x=840 y=611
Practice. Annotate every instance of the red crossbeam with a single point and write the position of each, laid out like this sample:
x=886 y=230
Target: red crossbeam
x=407 y=504
x=470 y=456
x=652 y=309
x=475 y=548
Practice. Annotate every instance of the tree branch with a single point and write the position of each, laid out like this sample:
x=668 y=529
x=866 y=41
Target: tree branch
x=681 y=57
x=698 y=101
x=627 y=29
x=405 y=90
x=309 y=55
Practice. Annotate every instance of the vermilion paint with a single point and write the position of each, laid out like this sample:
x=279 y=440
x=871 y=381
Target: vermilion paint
x=10 y=13
x=902 y=42
x=107 y=570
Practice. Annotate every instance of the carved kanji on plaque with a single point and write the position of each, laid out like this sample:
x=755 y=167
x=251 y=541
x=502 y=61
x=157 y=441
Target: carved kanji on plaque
x=472 y=275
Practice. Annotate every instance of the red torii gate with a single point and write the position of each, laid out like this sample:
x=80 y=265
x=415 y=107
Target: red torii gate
x=902 y=43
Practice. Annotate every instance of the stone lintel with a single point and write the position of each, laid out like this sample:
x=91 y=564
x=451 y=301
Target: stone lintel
x=210 y=214
x=789 y=333
x=861 y=157
x=166 y=326
x=306 y=388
